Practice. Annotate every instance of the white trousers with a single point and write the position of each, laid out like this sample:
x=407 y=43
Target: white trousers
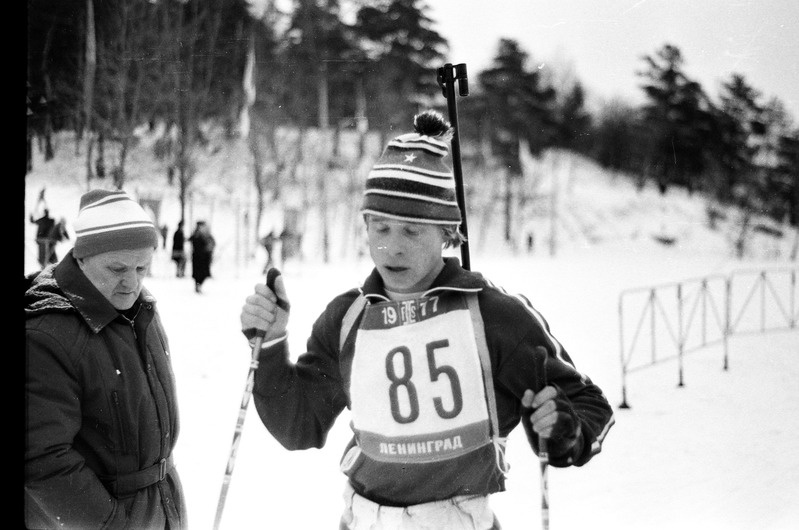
x=467 y=512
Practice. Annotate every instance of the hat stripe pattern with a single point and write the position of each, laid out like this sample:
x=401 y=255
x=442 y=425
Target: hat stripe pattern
x=111 y=220
x=414 y=196
x=418 y=141
x=408 y=218
x=412 y=183
x=399 y=171
x=111 y=228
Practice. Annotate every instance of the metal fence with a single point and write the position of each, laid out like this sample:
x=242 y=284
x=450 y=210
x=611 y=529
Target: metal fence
x=677 y=318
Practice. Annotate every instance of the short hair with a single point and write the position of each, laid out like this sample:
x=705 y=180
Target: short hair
x=453 y=237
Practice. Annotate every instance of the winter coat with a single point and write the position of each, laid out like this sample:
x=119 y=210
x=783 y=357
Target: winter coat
x=45 y=226
x=299 y=402
x=102 y=417
x=178 y=243
x=202 y=253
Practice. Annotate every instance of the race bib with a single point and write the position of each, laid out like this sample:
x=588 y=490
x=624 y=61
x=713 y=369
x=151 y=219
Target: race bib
x=417 y=386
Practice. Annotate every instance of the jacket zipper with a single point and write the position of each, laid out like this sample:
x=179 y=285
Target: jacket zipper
x=122 y=431
x=132 y=322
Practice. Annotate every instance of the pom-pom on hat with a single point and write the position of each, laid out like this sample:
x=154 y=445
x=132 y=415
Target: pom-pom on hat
x=410 y=181
x=111 y=220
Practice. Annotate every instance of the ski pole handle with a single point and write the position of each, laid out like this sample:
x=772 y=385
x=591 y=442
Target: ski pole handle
x=271 y=276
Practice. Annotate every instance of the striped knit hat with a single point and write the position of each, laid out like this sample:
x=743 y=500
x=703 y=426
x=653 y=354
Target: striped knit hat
x=410 y=181
x=111 y=220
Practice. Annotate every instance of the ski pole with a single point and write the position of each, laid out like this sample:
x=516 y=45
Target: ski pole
x=447 y=75
x=543 y=452
x=271 y=276
x=543 y=459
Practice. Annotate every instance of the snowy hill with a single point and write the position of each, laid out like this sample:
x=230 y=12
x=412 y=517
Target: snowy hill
x=593 y=209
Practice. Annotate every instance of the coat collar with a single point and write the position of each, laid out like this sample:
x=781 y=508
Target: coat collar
x=66 y=285
x=451 y=278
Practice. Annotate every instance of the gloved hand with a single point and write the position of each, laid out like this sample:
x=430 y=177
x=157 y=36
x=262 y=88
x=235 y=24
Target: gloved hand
x=549 y=414
x=266 y=310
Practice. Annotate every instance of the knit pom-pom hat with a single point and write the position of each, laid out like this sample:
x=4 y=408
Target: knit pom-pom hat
x=111 y=220
x=410 y=181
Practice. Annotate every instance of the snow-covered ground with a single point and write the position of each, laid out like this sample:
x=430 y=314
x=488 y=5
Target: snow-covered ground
x=719 y=453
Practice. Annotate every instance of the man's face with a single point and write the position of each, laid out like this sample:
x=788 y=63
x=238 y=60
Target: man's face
x=408 y=256
x=118 y=274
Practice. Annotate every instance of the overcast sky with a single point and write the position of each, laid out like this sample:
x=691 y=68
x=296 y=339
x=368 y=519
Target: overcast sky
x=603 y=40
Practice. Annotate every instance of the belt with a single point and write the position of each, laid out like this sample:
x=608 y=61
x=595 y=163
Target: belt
x=129 y=483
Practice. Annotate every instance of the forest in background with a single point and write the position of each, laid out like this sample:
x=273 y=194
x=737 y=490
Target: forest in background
x=191 y=76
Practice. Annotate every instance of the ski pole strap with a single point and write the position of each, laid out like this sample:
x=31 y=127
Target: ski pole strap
x=127 y=484
x=488 y=380
x=350 y=316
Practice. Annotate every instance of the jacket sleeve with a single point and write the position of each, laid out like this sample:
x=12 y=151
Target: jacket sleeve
x=299 y=402
x=60 y=490
x=517 y=374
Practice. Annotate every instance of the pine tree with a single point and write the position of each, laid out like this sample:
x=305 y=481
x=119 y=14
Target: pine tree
x=678 y=113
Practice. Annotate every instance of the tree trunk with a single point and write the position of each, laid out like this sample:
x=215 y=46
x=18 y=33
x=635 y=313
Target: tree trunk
x=553 y=206
x=508 y=205
x=90 y=68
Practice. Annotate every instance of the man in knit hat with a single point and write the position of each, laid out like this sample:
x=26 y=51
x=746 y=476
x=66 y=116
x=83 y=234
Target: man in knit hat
x=435 y=363
x=102 y=415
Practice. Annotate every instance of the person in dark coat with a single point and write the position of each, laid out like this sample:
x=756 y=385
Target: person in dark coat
x=178 y=250
x=202 y=254
x=101 y=404
x=45 y=231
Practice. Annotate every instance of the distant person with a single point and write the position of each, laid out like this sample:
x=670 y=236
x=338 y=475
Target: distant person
x=45 y=240
x=179 y=250
x=202 y=254
x=58 y=234
x=530 y=242
x=435 y=363
x=268 y=242
x=164 y=235
x=101 y=408
x=290 y=244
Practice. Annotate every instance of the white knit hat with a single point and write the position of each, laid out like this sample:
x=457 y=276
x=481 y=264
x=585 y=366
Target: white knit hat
x=111 y=220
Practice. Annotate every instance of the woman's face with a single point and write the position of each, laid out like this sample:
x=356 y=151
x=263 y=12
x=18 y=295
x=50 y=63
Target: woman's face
x=408 y=256
x=119 y=274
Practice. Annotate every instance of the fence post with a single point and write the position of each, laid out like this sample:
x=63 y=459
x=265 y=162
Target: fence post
x=704 y=296
x=652 y=297
x=762 y=301
x=624 y=404
x=727 y=317
x=793 y=299
x=680 y=338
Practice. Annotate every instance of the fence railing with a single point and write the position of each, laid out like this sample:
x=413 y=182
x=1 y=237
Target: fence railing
x=680 y=317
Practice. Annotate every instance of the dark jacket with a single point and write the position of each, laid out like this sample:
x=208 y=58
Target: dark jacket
x=45 y=226
x=102 y=416
x=178 y=240
x=178 y=245
x=202 y=255
x=299 y=402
